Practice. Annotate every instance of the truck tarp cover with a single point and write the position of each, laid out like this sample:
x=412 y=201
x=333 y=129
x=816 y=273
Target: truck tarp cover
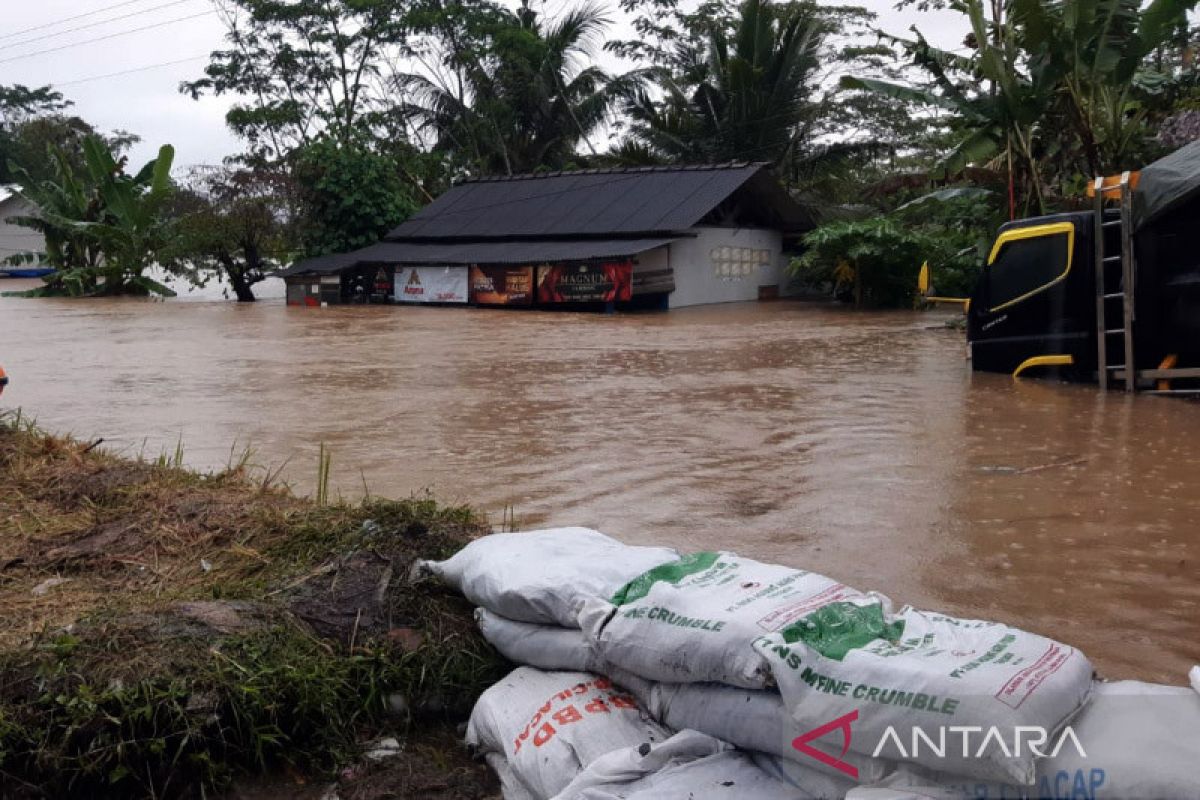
x=1167 y=184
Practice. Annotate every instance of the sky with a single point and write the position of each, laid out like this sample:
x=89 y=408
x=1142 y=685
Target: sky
x=121 y=62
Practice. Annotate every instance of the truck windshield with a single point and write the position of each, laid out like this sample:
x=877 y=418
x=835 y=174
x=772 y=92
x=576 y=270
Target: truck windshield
x=1025 y=264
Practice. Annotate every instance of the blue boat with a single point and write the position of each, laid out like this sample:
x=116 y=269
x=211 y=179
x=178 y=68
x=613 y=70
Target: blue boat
x=20 y=272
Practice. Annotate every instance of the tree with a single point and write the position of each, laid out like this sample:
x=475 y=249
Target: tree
x=308 y=68
x=507 y=94
x=31 y=120
x=102 y=227
x=754 y=82
x=232 y=223
x=1054 y=93
x=349 y=195
x=753 y=94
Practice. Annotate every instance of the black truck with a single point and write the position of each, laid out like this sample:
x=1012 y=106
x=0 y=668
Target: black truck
x=1110 y=295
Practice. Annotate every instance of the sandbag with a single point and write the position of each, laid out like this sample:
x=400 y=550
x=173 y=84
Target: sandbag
x=542 y=576
x=884 y=675
x=811 y=782
x=755 y=720
x=550 y=647
x=511 y=787
x=688 y=766
x=548 y=726
x=696 y=619
x=1139 y=741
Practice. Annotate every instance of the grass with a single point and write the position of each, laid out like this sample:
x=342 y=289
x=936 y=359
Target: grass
x=170 y=631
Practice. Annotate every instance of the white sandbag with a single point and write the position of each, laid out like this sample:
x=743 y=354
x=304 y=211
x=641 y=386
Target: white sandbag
x=696 y=619
x=811 y=782
x=1194 y=677
x=1140 y=741
x=542 y=576
x=908 y=785
x=756 y=720
x=549 y=647
x=1136 y=741
x=933 y=673
x=688 y=766
x=550 y=725
x=511 y=787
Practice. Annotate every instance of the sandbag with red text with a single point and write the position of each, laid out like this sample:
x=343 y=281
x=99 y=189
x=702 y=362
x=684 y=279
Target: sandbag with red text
x=548 y=726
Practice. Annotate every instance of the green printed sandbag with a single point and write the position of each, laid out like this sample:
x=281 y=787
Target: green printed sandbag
x=696 y=619
x=967 y=697
x=542 y=576
x=548 y=726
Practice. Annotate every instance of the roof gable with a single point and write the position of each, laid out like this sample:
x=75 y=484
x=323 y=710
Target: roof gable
x=592 y=203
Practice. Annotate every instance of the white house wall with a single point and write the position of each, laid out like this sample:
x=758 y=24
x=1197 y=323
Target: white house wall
x=702 y=276
x=13 y=238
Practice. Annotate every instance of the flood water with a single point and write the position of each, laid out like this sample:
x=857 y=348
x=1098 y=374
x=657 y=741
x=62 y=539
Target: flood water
x=857 y=445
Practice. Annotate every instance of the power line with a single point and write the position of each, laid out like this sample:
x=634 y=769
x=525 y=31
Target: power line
x=96 y=24
x=104 y=38
x=91 y=78
x=70 y=19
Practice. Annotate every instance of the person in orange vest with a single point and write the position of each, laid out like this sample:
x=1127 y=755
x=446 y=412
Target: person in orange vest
x=3 y=380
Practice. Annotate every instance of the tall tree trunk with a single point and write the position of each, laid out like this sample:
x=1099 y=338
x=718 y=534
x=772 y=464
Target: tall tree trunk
x=238 y=278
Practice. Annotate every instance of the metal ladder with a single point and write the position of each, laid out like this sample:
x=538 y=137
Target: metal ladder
x=1105 y=333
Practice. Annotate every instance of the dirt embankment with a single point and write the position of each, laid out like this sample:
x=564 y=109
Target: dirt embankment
x=168 y=634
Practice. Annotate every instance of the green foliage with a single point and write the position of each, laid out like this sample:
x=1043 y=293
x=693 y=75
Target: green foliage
x=1054 y=93
x=349 y=195
x=309 y=69
x=19 y=102
x=163 y=686
x=506 y=92
x=196 y=713
x=102 y=226
x=752 y=82
x=874 y=261
x=232 y=223
x=752 y=95
x=34 y=120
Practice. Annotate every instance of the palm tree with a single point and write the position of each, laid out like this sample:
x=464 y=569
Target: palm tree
x=752 y=96
x=519 y=101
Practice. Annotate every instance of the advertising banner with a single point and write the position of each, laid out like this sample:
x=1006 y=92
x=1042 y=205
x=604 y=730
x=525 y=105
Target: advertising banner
x=502 y=286
x=431 y=285
x=585 y=283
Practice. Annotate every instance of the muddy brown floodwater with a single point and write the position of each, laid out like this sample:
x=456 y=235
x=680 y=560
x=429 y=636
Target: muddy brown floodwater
x=857 y=445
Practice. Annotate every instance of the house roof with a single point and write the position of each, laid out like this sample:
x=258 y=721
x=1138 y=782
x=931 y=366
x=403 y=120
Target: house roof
x=601 y=202
x=576 y=216
x=493 y=252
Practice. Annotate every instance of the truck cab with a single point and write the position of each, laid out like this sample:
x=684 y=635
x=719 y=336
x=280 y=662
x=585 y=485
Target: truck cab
x=1036 y=297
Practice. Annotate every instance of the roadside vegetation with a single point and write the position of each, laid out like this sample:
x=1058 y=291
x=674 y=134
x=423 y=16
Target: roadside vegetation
x=354 y=115
x=171 y=634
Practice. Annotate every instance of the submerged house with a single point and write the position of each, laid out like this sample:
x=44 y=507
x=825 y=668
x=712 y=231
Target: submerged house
x=654 y=236
x=16 y=239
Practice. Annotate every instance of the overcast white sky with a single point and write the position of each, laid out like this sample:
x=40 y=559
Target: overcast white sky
x=39 y=45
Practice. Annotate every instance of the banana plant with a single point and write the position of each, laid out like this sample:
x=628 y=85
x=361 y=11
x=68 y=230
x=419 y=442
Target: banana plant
x=132 y=228
x=1059 y=88
x=102 y=227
